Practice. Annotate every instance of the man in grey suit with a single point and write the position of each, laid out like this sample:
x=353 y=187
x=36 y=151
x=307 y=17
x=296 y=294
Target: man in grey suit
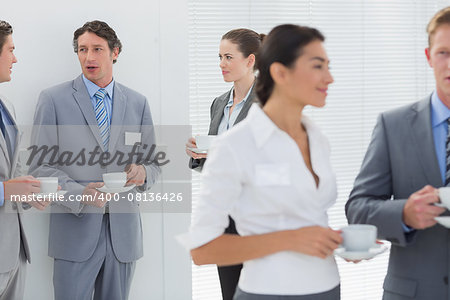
x=94 y=246
x=14 y=252
x=407 y=159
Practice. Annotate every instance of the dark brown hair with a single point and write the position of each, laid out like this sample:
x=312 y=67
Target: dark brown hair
x=5 y=30
x=284 y=44
x=100 y=29
x=440 y=18
x=248 y=41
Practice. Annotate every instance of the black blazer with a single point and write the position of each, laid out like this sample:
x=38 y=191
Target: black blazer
x=216 y=112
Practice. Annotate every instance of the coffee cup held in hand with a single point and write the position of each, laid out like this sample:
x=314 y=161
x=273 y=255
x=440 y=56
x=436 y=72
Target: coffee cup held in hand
x=48 y=184
x=115 y=179
x=204 y=141
x=359 y=237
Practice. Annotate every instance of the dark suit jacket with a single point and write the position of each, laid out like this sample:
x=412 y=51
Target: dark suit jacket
x=217 y=108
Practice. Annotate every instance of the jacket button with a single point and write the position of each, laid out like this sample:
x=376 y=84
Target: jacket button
x=446 y=280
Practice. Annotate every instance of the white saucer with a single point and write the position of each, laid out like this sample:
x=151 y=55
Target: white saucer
x=50 y=195
x=198 y=150
x=357 y=255
x=444 y=221
x=105 y=189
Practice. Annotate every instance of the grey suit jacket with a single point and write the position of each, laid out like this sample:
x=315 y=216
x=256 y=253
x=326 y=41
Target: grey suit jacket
x=400 y=160
x=216 y=113
x=74 y=227
x=11 y=228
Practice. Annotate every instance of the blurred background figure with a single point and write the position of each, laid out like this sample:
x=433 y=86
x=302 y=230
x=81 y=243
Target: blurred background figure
x=237 y=54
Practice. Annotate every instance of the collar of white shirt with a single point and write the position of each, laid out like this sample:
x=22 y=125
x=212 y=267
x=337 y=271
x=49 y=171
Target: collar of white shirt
x=263 y=127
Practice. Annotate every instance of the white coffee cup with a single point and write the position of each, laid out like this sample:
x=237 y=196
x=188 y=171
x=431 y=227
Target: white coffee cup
x=204 y=141
x=115 y=179
x=48 y=184
x=359 y=237
x=444 y=196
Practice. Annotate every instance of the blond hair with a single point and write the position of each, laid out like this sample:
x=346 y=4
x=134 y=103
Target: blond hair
x=442 y=17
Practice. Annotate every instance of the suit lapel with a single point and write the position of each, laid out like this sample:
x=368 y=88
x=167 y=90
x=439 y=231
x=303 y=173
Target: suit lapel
x=118 y=115
x=420 y=120
x=217 y=114
x=84 y=102
x=15 y=154
x=4 y=149
x=16 y=151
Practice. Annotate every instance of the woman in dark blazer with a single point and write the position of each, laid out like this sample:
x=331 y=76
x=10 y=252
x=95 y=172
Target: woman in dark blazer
x=237 y=54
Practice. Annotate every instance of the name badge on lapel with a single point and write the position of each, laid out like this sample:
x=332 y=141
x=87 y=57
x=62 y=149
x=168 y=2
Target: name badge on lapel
x=132 y=138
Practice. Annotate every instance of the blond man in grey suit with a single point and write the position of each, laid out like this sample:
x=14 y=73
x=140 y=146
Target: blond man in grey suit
x=14 y=252
x=396 y=189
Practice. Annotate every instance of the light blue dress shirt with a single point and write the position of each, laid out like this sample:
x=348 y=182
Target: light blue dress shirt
x=227 y=119
x=439 y=115
x=92 y=88
x=11 y=133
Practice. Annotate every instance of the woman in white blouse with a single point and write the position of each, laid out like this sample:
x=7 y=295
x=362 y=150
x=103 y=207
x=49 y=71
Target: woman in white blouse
x=271 y=173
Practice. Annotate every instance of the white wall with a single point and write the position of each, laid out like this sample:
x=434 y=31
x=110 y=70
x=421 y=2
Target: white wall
x=154 y=62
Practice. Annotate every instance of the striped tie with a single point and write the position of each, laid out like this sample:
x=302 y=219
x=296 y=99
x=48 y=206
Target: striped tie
x=102 y=117
x=2 y=125
x=447 y=156
x=5 y=133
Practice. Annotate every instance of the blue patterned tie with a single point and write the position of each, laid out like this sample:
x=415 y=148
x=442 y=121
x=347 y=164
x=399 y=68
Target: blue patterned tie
x=5 y=133
x=447 y=156
x=2 y=125
x=102 y=117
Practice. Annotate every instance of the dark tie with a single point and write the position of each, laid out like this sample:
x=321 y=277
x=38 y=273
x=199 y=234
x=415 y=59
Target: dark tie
x=447 y=155
x=2 y=125
x=4 y=132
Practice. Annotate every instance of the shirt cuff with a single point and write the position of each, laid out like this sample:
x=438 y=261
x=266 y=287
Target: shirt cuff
x=406 y=228
x=2 y=193
x=198 y=237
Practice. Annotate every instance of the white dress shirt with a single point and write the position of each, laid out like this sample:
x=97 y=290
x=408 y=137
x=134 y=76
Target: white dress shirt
x=255 y=173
